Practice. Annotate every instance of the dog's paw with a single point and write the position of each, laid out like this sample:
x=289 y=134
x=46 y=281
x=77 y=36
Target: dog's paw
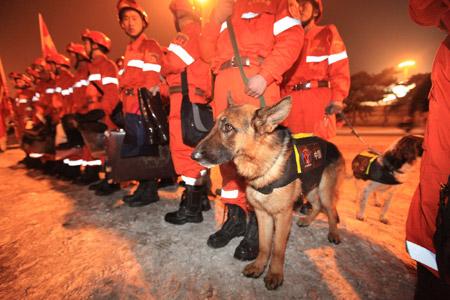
x=360 y=217
x=303 y=222
x=334 y=238
x=273 y=280
x=384 y=220
x=253 y=270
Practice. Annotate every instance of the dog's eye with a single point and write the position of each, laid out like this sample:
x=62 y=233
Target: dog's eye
x=227 y=127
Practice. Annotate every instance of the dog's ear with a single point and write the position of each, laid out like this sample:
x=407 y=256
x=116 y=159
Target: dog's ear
x=229 y=99
x=266 y=119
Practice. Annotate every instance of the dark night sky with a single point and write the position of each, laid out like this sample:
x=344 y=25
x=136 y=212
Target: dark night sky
x=378 y=34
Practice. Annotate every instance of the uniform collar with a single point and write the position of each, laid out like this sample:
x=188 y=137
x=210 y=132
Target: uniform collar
x=134 y=45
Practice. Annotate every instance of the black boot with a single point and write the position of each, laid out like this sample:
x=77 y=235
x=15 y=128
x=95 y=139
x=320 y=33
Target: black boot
x=190 y=210
x=107 y=188
x=248 y=248
x=70 y=172
x=146 y=193
x=90 y=175
x=233 y=227
x=168 y=183
x=98 y=185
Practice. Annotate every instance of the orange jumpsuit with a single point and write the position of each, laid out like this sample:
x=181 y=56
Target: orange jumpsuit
x=269 y=41
x=184 y=54
x=103 y=88
x=79 y=103
x=23 y=109
x=435 y=166
x=142 y=68
x=62 y=98
x=320 y=75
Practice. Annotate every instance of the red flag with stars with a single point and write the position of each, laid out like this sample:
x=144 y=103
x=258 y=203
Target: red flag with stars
x=47 y=45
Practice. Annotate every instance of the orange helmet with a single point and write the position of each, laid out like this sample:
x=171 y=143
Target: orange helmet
x=97 y=37
x=77 y=49
x=131 y=4
x=185 y=5
x=40 y=62
x=24 y=77
x=58 y=59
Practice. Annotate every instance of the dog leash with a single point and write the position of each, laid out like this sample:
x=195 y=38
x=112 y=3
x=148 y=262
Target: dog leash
x=238 y=59
x=355 y=133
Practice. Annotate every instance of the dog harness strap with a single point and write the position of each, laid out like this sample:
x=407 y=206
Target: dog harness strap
x=289 y=175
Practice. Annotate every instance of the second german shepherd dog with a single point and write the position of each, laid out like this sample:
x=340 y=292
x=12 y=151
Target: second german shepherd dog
x=261 y=150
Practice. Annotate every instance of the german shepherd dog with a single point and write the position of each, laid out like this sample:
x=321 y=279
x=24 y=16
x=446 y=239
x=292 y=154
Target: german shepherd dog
x=261 y=150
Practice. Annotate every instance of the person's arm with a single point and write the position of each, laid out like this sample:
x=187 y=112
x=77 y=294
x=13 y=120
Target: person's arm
x=429 y=12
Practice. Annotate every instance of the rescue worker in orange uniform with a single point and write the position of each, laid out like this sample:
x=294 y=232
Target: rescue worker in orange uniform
x=142 y=68
x=435 y=165
x=103 y=94
x=183 y=54
x=79 y=105
x=269 y=41
x=61 y=103
x=22 y=105
x=319 y=81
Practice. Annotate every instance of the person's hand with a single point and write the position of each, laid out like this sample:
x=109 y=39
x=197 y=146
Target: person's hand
x=154 y=90
x=256 y=86
x=222 y=11
x=334 y=107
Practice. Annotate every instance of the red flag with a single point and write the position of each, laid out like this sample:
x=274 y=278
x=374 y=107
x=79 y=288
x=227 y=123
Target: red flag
x=4 y=91
x=47 y=45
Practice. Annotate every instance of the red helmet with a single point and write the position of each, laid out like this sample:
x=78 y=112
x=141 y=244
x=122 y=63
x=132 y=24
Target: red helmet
x=77 y=49
x=24 y=77
x=131 y=4
x=185 y=5
x=97 y=37
x=40 y=62
x=58 y=59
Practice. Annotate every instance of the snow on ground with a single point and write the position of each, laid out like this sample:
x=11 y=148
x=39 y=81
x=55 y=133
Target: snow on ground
x=60 y=241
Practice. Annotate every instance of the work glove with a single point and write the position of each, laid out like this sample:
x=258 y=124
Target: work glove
x=335 y=107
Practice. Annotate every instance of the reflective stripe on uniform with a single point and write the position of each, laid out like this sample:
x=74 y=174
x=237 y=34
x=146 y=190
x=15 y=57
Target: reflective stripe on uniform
x=58 y=89
x=181 y=53
x=310 y=58
x=249 y=15
x=136 y=63
x=22 y=101
x=233 y=194
x=332 y=58
x=190 y=180
x=284 y=24
x=109 y=80
x=94 y=77
x=151 y=67
x=50 y=91
x=223 y=26
x=73 y=163
x=36 y=155
x=422 y=255
x=337 y=57
x=121 y=72
x=92 y=163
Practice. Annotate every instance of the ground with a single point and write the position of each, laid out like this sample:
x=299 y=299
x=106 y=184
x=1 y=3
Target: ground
x=59 y=241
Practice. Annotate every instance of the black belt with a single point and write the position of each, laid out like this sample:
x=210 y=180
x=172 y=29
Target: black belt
x=310 y=85
x=177 y=89
x=246 y=62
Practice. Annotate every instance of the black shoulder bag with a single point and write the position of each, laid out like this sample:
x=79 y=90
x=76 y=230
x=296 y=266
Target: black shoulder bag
x=196 y=119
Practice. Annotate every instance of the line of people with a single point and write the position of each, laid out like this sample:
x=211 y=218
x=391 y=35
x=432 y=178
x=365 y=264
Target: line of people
x=283 y=52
